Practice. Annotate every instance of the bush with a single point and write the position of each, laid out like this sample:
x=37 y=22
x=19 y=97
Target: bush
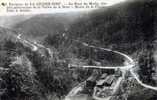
x=20 y=82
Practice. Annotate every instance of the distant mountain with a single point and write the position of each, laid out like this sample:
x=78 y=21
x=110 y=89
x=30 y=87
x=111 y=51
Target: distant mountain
x=41 y=25
x=10 y=21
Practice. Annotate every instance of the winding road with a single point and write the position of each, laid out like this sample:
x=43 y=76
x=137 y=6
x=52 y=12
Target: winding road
x=34 y=45
x=128 y=67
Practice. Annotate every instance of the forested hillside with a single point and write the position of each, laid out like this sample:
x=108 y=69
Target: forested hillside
x=125 y=26
x=28 y=75
x=129 y=27
x=46 y=24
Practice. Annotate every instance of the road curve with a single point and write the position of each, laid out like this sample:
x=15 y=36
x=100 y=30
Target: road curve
x=35 y=46
x=125 y=68
x=140 y=82
x=129 y=67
